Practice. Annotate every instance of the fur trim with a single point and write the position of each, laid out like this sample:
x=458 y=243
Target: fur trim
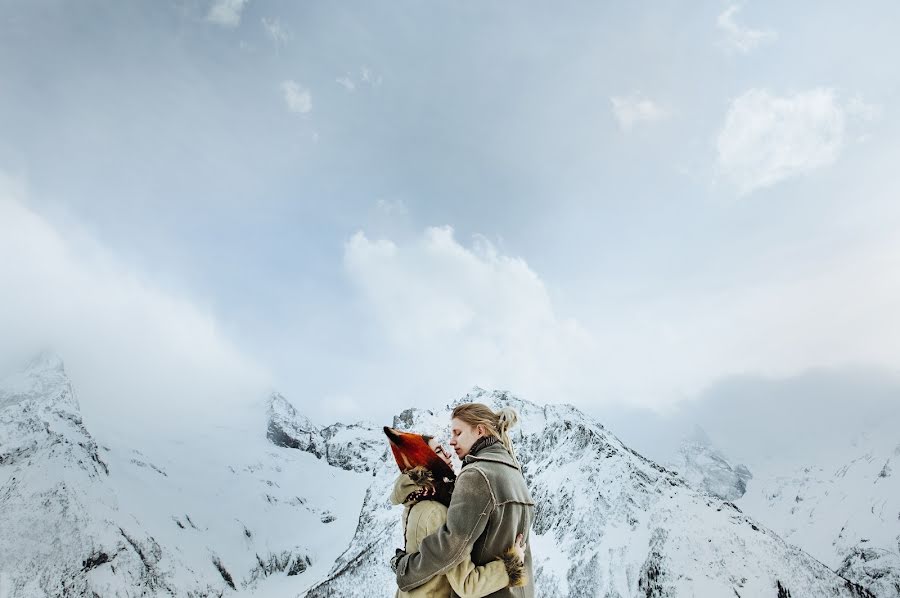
x=421 y=477
x=514 y=568
x=424 y=482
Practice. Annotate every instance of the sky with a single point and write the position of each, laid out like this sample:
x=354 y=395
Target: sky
x=374 y=206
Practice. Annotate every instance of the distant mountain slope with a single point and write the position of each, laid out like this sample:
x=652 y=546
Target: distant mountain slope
x=846 y=514
x=223 y=512
x=844 y=509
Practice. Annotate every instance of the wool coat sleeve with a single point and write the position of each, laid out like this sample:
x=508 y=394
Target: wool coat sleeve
x=467 y=518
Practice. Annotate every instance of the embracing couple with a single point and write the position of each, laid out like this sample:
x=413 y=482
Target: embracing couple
x=466 y=534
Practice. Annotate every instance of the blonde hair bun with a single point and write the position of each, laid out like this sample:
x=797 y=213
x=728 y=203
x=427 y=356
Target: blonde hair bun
x=507 y=418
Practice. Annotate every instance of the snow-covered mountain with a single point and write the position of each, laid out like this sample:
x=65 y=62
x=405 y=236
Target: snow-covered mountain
x=844 y=509
x=276 y=506
x=846 y=513
x=703 y=466
x=221 y=512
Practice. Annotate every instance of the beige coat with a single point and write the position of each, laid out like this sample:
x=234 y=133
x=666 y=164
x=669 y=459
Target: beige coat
x=425 y=517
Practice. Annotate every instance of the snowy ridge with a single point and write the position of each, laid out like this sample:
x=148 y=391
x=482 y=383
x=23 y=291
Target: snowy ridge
x=54 y=495
x=702 y=466
x=221 y=513
x=846 y=514
x=844 y=511
x=355 y=447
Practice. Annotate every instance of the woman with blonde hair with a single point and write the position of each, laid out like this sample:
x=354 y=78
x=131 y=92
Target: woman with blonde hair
x=490 y=507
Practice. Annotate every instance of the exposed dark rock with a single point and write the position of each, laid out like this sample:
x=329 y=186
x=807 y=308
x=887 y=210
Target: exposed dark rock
x=286 y=561
x=223 y=572
x=651 y=583
x=783 y=592
x=94 y=560
x=299 y=565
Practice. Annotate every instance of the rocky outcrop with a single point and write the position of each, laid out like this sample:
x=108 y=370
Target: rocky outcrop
x=878 y=569
x=354 y=447
x=706 y=468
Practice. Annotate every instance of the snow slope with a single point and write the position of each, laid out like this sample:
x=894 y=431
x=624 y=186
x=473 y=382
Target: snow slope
x=223 y=511
x=842 y=507
x=845 y=513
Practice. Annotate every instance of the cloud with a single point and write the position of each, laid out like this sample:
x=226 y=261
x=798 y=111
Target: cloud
x=766 y=138
x=276 y=31
x=448 y=316
x=391 y=207
x=297 y=98
x=634 y=109
x=740 y=39
x=445 y=316
x=366 y=77
x=858 y=107
x=138 y=354
x=226 y=13
x=347 y=83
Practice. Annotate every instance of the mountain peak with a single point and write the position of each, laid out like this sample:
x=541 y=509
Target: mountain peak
x=45 y=361
x=43 y=378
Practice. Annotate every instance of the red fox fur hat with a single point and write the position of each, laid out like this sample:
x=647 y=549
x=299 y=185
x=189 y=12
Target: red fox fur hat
x=415 y=458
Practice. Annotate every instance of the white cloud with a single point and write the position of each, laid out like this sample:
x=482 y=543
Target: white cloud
x=276 y=31
x=766 y=138
x=137 y=353
x=739 y=38
x=347 y=83
x=450 y=316
x=226 y=13
x=391 y=207
x=297 y=98
x=635 y=108
x=368 y=76
x=858 y=107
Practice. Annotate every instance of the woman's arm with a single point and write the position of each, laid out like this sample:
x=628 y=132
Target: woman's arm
x=467 y=518
x=470 y=581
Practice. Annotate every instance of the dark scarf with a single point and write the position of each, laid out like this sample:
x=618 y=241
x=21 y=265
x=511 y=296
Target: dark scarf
x=483 y=442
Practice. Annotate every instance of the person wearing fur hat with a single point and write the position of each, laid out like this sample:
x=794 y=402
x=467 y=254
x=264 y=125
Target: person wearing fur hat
x=490 y=506
x=425 y=487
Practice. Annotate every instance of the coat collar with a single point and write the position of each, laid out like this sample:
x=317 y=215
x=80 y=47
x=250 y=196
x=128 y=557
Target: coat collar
x=403 y=487
x=483 y=442
x=496 y=453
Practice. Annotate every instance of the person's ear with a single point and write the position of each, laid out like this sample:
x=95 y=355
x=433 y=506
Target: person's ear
x=479 y=429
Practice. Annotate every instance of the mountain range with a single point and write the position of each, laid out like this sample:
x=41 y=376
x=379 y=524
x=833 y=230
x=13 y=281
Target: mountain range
x=277 y=506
